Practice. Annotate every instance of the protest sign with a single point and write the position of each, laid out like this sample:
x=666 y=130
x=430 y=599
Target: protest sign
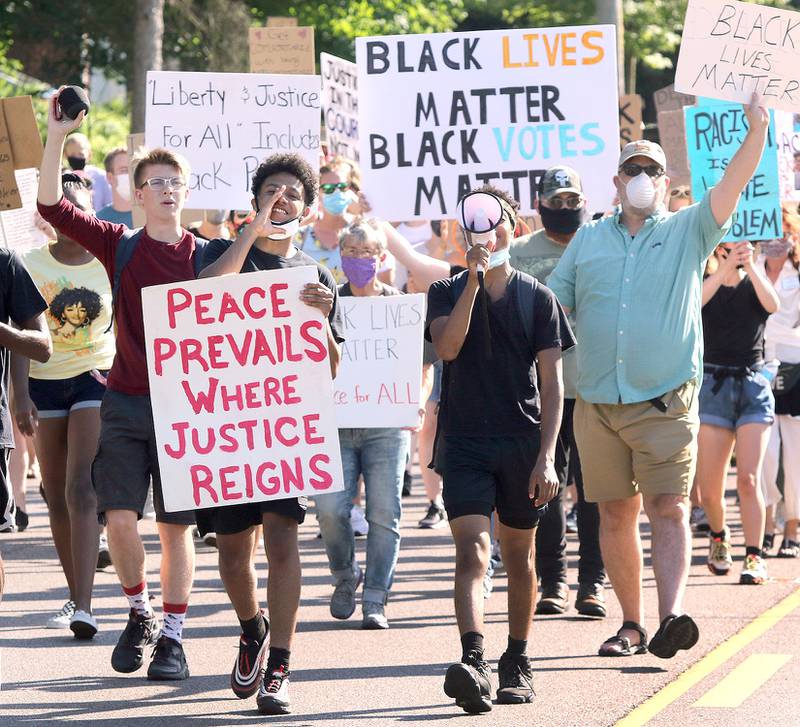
x=713 y=135
x=788 y=138
x=379 y=377
x=20 y=147
x=19 y=228
x=340 y=105
x=730 y=49
x=281 y=21
x=241 y=387
x=672 y=137
x=282 y=49
x=630 y=118
x=668 y=99
x=225 y=124
x=486 y=106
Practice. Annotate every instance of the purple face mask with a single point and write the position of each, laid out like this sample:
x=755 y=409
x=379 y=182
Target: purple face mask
x=359 y=270
x=775 y=248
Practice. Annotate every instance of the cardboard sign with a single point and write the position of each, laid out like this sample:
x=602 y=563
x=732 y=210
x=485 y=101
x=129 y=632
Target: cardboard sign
x=241 y=387
x=730 y=49
x=672 y=137
x=18 y=226
x=26 y=143
x=281 y=21
x=9 y=192
x=441 y=114
x=380 y=374
x=788 y=138
x=713 y=135
x=225 y=124
x=630 y=118
x=282 y=49
x=340 y=105
x=668 y=99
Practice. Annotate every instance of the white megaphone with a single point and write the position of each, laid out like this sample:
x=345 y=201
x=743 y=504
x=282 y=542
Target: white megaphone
x=479 y=214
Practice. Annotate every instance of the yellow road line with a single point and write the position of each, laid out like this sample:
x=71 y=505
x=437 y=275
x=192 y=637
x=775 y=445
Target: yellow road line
x=745 y=679
x=711 y=661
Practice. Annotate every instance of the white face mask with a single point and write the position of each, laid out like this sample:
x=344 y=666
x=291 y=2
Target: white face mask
x=640 y=191
x=123 y=186
x=288 y=229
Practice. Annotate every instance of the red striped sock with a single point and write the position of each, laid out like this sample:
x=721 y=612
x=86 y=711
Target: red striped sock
x=174 y=616
x=139 y=599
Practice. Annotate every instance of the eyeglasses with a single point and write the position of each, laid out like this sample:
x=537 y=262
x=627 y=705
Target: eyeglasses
x=359 y=252
x=572 y=203
x=159 y=183
x=331 y=188
x=634 y=170
x=680 y=192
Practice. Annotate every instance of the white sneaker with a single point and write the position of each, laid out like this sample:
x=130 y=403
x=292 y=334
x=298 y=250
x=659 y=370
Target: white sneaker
x=83 y=625
x=63 y=617
x=210 y=539
x=103 y=554
x=358 y=521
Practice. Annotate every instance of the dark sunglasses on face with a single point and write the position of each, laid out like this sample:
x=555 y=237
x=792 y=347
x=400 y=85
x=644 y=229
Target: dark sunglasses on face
x=680 y=192
x=331 y=188
x=558 y=203
x=633 y=170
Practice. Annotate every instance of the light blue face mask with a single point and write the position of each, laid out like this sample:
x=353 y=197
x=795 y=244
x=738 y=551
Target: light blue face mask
x=337 y=202
x=501 y=257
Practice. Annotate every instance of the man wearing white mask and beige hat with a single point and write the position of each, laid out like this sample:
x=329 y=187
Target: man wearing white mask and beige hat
x=634 y=280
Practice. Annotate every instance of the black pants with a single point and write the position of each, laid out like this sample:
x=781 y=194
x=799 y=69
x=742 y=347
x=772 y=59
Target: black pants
x=551 y=536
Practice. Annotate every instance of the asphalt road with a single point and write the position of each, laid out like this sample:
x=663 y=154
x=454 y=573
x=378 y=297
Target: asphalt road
x=745 y=671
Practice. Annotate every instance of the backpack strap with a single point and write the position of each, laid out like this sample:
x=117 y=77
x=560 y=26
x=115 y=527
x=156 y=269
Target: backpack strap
x=526 y=286
x=126 y=246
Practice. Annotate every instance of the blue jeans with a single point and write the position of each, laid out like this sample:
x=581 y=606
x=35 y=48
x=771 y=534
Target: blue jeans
x=380 y=455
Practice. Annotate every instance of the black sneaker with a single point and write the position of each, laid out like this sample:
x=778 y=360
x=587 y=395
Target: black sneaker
x=169 y=661
x=469 y=684
x=516 y=679
x=249 y=668
x=273 y=694
x=406 y=483
x=22 y=520
x=141 y=632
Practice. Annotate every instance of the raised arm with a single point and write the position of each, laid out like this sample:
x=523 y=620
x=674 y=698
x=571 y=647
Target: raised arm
x=425 y=269
x=725 y=194
x=765 y=291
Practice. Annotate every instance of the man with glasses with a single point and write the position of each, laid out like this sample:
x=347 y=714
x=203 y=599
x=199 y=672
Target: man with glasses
x=562 y=209
x=634 y=281
x=127 y=455
x=679 y=197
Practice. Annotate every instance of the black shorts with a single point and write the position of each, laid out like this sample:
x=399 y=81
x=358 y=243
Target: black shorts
x=56 y=398
x=238 y=518
x=482 y=474
x=127 y=459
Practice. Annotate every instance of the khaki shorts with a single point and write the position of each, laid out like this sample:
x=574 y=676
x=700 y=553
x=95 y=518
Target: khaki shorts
x=630 y=448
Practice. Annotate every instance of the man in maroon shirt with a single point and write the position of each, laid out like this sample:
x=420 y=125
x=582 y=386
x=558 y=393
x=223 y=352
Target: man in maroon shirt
x=126 y=458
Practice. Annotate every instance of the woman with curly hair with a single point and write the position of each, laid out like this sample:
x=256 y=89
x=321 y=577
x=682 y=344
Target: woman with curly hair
x=59 y=404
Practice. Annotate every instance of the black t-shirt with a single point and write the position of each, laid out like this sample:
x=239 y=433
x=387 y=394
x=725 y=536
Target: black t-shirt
x=733 y=326
x=497 y=396
x=20 y=301
x=257 y=260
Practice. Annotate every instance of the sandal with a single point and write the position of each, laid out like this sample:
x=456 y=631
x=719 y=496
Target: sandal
x=675 y=633
x=626 y=648
x=789 y=549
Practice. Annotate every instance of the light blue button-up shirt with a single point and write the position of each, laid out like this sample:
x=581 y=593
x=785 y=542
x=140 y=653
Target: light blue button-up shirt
x=637 y=302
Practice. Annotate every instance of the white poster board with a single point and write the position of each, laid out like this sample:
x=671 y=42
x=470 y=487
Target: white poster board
x=730 y=49
x=787 y=133
x=441 y=114
x=340 y=105
x=380 y=373
x=18 y=226
x=241 y=388
x=225 y=124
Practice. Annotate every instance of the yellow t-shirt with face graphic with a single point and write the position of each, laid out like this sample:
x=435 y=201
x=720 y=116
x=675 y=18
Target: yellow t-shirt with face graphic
x=79 y=311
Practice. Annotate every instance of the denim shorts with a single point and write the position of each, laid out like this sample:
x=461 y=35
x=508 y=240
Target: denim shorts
x=740 y=397
x=56 y=398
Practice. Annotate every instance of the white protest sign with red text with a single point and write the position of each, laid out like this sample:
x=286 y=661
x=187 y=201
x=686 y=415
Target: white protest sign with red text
x=379 y=377
x=241 y=388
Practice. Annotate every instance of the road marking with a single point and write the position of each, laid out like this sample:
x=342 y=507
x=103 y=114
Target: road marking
x=745 y=679
x=710 y=662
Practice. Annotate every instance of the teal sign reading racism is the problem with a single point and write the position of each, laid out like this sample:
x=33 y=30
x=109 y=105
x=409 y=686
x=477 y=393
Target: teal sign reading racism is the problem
x=714 y=133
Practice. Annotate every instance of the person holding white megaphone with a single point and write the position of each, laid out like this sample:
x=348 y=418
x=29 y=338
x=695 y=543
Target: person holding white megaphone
x=496 y=440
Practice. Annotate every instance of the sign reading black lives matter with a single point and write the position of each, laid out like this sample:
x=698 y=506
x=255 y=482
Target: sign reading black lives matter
x=731 y=49
x=225 y=124
x=340 y=105
x=444 y=113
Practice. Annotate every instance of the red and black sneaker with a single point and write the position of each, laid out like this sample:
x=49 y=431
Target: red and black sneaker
x=249 y=667
x=273 y=696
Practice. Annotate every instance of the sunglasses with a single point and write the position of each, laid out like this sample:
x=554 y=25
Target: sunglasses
x=331 y=188
x=572 y=203
x=634 y=170
x=159 y=183
x=680 y=192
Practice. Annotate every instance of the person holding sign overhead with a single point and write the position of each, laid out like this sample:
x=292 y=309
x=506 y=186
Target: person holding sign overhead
x=284 y=192
x=498 y=424
x=634 y=280
x=160 y=252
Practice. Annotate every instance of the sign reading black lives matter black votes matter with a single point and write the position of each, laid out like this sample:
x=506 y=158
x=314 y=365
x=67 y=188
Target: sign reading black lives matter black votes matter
x=441 y=114
x=225 y=124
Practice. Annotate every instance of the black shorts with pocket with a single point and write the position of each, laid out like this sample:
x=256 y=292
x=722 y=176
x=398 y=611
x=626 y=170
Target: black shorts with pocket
x=127 y=459
x=234 y=519
x=482 y=474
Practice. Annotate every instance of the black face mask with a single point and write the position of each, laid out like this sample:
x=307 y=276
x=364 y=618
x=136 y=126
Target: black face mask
x=564 y=221
x=76 y=163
